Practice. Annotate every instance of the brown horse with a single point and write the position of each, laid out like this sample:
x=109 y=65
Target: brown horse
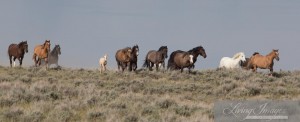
x=41 y=52
x=181 y=60
x=156 y=57
x=17 y=51
x=263 y=62
x=123 y=57
x=199 y=50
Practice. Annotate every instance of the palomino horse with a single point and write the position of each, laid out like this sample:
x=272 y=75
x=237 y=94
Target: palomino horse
x=103 y=63
x=53 y=56
x=133 y=60
x=41 y=52
x=263 y=62
x=180 y=60
x=199 y=50
x=234 y=62
x=123 y=57
x=156 y=57
x=17 y=51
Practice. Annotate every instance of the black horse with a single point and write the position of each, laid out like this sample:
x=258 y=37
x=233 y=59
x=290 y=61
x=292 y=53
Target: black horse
x=17 y=51
x=133 y=58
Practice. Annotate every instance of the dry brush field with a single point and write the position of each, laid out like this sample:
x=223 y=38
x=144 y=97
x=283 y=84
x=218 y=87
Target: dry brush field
x=33 y=94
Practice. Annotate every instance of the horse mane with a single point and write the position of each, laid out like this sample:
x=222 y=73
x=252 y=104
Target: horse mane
x=195 y=49
x=255 y=53
x=237 y=55
x=22 y=43
x=54 y=49
x=162 y=47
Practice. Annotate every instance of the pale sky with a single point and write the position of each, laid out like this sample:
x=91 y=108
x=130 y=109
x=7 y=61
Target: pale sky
x=87 y=29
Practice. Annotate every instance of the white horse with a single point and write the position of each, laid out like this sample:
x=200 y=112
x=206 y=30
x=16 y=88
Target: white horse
x=103 y=63
x=234 y=62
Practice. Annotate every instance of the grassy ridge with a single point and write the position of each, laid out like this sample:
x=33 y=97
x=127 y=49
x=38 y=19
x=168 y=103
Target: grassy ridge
x=31 y=94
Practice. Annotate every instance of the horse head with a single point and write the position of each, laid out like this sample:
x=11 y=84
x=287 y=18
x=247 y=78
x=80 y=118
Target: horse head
x=240 y=56
x=164 y=50
x=276 y=54
x=202 y=52
x=57 y=48
x=23 y=45
x=105 y=57
x=135 y=49
x=46 y=45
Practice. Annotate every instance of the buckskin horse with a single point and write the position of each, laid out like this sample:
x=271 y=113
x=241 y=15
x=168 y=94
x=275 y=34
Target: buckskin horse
x=181 y=60
x=156 y=57
x=199 y=50
x=263 y=62
x=41 y=52
x=17 y=51
x=123 y=57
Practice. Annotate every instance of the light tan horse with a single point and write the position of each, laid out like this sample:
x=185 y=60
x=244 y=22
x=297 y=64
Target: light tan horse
x=263 y=62
x=103 y=63
x=41 y=52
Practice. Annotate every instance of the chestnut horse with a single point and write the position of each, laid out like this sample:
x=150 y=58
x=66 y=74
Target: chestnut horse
x=123 y=57
x=263 y=62
x=181 y=60
x=133 y=60
x=41 y=52
x=156 y=57
x=17 y=51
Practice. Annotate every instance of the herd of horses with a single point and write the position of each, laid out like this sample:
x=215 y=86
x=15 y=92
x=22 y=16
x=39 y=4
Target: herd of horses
x=41 y=53
x=127 y=58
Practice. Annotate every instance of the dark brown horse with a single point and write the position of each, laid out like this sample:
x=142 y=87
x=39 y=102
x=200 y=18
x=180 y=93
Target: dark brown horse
x=17 y=51
x=263 y=62
x=156 y=57
x=41 y=52
x=195 y=52
x=181 y=60
x=134 y=55
x=123 y=57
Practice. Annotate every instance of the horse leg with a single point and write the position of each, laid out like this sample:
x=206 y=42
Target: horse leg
x=10 y=61
x=15 y=61
x=20 y=60
x=34 y=59
x=254 y=68
x=157 y=65
x=181 y=69
x=46 y=62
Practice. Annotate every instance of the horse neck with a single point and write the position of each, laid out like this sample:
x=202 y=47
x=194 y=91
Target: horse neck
x=54 y=52
x=271 y=55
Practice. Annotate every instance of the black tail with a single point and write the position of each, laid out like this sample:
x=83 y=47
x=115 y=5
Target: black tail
x=146 y=63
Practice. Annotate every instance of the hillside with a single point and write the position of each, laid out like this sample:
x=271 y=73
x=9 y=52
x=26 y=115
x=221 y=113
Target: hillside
x=33 y=94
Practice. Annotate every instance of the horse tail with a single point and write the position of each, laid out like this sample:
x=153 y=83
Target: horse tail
x=171 y=64
x=146 y=63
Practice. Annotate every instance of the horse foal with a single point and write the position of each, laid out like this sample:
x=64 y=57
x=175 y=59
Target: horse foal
x=103 y=63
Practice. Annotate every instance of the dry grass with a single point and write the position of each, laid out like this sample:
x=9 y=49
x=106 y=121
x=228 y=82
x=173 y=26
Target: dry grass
x=33 y=94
